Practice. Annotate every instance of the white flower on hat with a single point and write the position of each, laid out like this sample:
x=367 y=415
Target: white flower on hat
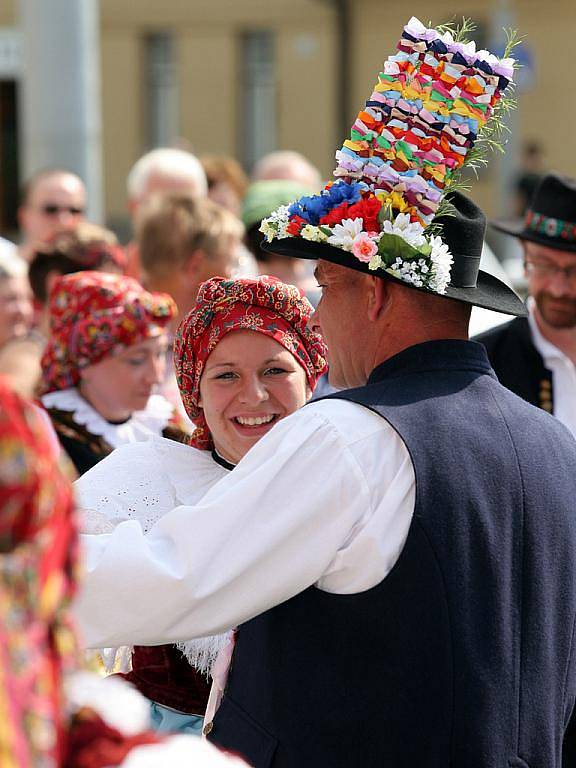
x=442 y=261
x=275 y=225
x=410 y=231
x=343 y=234
x=315 y=234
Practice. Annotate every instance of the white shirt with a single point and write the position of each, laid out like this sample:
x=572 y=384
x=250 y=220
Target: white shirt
x=563 y=375
x=325 y=498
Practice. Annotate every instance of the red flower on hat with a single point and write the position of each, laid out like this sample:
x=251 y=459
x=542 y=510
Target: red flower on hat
x=336 y=215
x=296 y=224
x=368 y=210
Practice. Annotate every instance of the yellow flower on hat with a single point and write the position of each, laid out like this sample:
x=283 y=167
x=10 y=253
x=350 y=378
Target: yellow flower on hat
x=394 y=200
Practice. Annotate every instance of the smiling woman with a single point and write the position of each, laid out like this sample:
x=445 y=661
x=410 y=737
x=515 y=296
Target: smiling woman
x=250 y=382
x=105 y=355
x=245 y=358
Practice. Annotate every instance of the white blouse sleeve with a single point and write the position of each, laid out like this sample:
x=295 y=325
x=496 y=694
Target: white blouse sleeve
x=127 y=485
x=264 y=533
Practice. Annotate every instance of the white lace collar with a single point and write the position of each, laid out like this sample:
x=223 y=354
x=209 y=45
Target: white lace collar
x=140 y=426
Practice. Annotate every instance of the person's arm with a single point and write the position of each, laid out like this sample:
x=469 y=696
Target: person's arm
x=263 y=534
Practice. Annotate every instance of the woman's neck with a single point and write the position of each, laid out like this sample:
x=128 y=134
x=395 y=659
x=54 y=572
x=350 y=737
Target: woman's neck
x=113 y=415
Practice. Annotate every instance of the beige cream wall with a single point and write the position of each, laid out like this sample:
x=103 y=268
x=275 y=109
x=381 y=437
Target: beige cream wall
x=122 y=114
x=207 y=43
x=547 y=111
x=207 y=36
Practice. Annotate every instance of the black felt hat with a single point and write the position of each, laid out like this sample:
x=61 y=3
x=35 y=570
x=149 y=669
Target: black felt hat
x=463 y=233
x=551 y=216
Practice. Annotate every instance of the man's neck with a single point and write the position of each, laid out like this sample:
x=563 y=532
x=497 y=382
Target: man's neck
x=563 y=339
x=183 y=294
x=398 y=342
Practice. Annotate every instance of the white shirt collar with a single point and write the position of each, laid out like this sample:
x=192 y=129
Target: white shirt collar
x=547 y=350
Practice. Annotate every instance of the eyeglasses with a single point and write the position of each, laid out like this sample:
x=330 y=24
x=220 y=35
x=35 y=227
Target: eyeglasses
x=51 y=209
x=548 y=270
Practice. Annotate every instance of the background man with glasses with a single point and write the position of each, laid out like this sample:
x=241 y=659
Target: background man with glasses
x=51 y=200
x=535 y=357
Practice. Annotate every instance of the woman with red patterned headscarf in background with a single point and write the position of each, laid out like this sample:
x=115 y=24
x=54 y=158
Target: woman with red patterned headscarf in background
x=245 y=358
x=104 y=358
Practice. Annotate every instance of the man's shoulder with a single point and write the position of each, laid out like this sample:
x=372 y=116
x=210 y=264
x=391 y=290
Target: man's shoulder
x=351 y=420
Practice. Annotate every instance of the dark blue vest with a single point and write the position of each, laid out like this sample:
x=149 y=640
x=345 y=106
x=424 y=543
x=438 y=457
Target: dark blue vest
x=462 y=657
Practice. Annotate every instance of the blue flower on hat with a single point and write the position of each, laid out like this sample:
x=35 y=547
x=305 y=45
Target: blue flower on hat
x=343 y=192
x=311 y=208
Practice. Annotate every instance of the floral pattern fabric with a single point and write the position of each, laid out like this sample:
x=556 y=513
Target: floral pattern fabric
x=263 y=304
x=91 y=313
x=37 y=579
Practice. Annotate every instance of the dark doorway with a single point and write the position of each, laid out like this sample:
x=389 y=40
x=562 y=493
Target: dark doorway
x=9 y=178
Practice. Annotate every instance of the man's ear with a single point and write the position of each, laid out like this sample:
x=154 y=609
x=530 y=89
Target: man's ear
x=377 y=297
x=22 y=216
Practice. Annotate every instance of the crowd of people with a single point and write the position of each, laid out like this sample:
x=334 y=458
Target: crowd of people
x=312 y=522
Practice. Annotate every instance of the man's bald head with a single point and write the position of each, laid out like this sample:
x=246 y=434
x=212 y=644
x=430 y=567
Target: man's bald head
x=51 y=200
x=165 y=171
x=288 y=165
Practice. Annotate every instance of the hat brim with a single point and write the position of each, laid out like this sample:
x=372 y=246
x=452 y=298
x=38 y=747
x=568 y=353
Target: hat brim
x=518 y=230
x=489 y=292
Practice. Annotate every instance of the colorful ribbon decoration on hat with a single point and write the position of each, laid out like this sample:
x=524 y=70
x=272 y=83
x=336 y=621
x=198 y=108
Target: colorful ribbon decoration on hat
x=406 y=147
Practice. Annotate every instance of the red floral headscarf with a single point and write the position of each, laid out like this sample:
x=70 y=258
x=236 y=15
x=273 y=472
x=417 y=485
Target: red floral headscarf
x=38 y=557
x=265 y=305
x=91 y=313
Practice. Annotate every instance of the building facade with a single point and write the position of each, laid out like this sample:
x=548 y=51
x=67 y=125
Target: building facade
x=243 y=77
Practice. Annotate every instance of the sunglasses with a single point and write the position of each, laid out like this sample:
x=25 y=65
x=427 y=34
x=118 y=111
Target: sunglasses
x=51 y=209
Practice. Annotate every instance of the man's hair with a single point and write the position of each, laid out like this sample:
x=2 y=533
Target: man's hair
x=172 y=227
x=30 y=184
x=220 y=168
x=165 y=162
x=11 y=266
x=86 y=247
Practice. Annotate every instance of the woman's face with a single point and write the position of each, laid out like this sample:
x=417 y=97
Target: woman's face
x=249 y=383
x=15 y=308
x=122 y=382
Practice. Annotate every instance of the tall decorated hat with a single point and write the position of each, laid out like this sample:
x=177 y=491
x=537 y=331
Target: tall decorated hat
x=395 y=209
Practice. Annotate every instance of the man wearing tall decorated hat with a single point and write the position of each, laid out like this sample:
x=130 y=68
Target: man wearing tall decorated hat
x=536 y=356
x=398 y=558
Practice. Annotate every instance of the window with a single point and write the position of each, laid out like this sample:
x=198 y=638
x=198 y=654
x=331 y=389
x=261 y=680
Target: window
x=9 y=181
x=161 y=90
x=258 y=120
